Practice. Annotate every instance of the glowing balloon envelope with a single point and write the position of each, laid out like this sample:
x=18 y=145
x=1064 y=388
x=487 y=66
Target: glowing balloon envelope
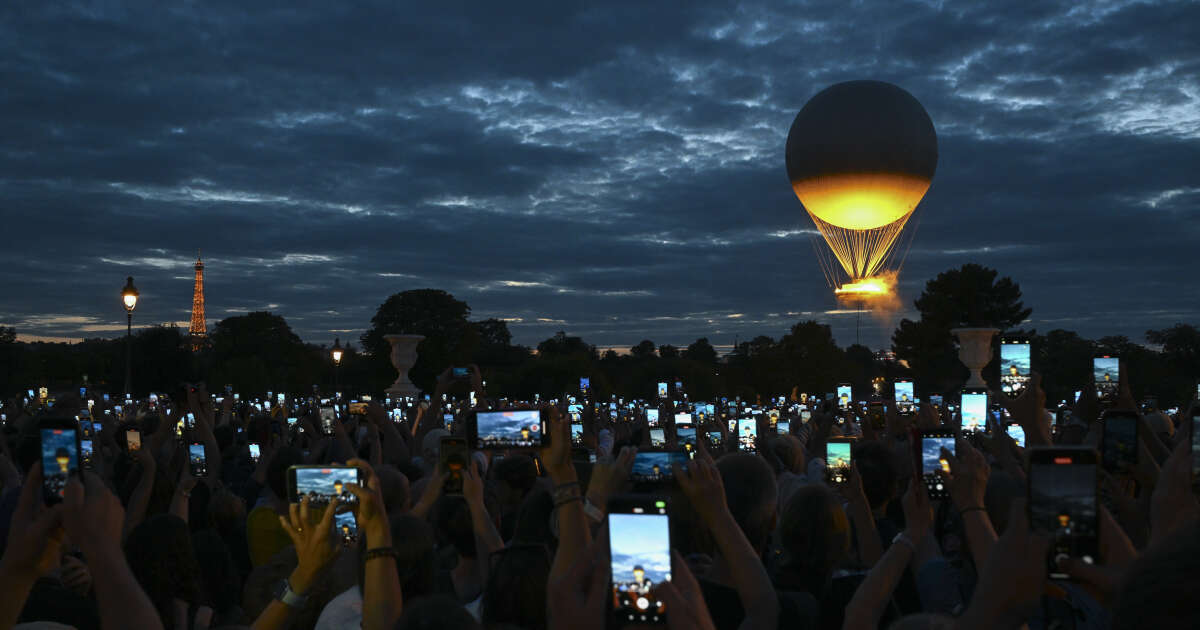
x=860 y=156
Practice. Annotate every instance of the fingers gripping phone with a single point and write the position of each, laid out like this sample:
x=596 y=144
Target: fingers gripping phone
x=639 y=541
x=454 y=459
x=198 y=459
x=934 y=466
x=1062 y=502
x=59 y=439
x=508 y=429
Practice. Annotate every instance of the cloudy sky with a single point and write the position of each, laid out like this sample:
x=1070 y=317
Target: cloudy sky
x=615 y=169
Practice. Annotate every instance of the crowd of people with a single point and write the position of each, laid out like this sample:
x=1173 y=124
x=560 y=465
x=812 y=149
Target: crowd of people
x=760 y=536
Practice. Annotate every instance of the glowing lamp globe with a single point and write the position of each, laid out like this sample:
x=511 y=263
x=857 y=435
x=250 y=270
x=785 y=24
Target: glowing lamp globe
x=860 y=156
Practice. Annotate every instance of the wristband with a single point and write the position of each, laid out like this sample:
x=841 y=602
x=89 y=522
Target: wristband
x=563 y=486
x=974 y=508
x=901 y=538
x=593 y=512
x=381 y=552
x=561 y=502
x=290 y=598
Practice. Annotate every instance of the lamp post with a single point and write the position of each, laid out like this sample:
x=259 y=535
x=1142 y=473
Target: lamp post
x=129 y=295
x=337 y=362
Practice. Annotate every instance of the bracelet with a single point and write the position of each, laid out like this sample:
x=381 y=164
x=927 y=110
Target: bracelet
x=563 y=486
x=974 y=508
x=561 y=502
x=381 y=552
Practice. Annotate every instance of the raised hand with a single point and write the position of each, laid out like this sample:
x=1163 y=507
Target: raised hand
x=1029 y=410
x=1014 y=578
x=313 y=541
x=969 y=473
x=686 y=608
x=557 y=456
x=370 y=511
x=608 y=477
x=35 y=536
x=577 y=597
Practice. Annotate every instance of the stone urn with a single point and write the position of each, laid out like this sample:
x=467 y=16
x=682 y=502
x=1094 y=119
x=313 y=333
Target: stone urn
x=975 y=352
x=404 y=357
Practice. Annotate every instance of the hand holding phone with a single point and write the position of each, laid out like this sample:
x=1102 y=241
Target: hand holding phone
x=639 y=539
x=453 y=461
x=60 y=454
x=198 y=459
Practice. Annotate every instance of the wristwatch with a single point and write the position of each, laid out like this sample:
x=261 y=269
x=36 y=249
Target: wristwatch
x=290 y=598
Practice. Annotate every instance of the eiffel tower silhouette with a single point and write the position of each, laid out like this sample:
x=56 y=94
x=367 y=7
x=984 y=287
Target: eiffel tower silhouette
x=198 y=331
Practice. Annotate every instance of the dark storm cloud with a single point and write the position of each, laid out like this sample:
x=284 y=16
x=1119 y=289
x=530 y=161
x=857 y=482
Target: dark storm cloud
x=612 y=170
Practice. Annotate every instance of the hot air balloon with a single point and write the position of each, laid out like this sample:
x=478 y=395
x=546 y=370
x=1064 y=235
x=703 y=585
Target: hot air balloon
x=861 y=155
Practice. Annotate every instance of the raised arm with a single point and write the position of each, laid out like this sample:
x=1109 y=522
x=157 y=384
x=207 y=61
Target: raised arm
x=701 y=481
x=314 y=550
x=93 y=517
x=141 y=494
x=867 y=606
x=382 y=596
x=574 y=535
x=34 y=541
x=487 y=539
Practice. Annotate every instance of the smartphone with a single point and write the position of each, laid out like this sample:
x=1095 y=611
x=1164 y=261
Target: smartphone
x=875 y=415
x=133 y=440
x=460 y=372
x=686 y=436
x=1062 y=502
x=328 y=417
x=783 y=427
x=198 y=459
x=85 y=429
x=255 y=452
x=345 y=527
x=837 y=460
x=639 y=545
x=658 y=438
x=747 y=434
x=933 y=465
x=654 y=465
x=1106 y=375
x=513 y=428
x=662 y=390
x=190 y=421
x=1196 y=450
x=1017 y=433
x=321 y=483
x=577 y=433
x=904 y=397
x=585 y=384
x=1119 y=440
x=60 y=456
x=85 y=453
x=652 y=417
x=844 y=395
x=454 y=459
x=1014 y=365
x=683 y=419
x=715 y=438
x=935 y=400
x=974 y=411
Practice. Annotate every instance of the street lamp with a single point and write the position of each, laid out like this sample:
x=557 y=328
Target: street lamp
x=337 y=362
x=129 y=295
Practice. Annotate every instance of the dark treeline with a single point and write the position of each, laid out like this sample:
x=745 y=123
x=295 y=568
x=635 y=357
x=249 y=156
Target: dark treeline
x=258 y=352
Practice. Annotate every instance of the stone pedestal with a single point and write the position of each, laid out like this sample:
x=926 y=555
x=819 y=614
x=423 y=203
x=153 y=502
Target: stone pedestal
x=404 y=357
x=975 y=352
